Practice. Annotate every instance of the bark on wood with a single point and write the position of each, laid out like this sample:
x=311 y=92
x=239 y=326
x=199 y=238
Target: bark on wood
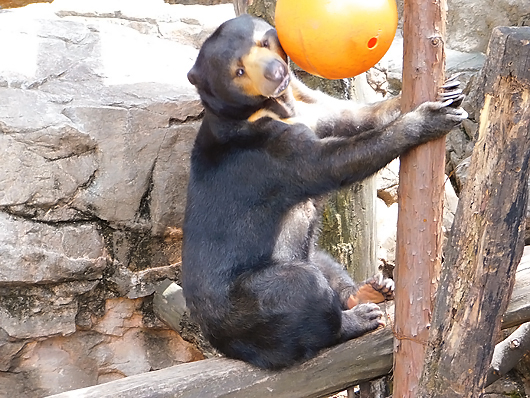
x=419 y=230
x=348 y=229
x=333 y=370
x=263 y=9
x=373 y=389
x=241 y=6
x=508 y=353
x=488 y=231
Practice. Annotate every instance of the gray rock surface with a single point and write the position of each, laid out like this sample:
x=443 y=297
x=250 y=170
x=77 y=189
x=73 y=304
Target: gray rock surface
x=169 y=304
x=387 y=183
x=97 y=120
x=32 y=253
x=89 y=117
x=470 y=22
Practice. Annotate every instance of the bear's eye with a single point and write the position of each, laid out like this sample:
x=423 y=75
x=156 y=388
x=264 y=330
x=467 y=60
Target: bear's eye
x=265 y=43
x=240 y=72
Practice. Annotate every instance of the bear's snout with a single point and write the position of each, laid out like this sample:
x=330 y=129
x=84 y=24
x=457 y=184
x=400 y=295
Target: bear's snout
x=275 y=71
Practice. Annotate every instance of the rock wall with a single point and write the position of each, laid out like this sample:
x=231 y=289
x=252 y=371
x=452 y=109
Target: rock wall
x=470 y=22
x=97 y=120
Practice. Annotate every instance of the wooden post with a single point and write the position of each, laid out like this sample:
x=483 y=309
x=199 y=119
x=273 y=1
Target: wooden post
x=488 y=232
x=364 y=262
x=348 y=229
x=241 y=6
x=421 y=184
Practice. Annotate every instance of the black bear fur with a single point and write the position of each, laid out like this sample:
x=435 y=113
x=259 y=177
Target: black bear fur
x=267 y=151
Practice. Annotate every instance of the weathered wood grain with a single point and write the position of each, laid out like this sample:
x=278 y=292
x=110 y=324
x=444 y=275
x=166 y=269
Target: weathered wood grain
x=421 y=187
x=508 y=353
x=487 y=238
x=335 y=369
x=518 y=310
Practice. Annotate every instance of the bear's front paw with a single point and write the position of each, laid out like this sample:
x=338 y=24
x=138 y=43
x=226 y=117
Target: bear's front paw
x=435 y=119
x=450 y=99
x=438 y=118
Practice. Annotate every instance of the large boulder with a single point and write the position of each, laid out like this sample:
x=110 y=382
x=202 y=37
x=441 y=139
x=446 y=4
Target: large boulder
x=97 y=120
x=470 y=22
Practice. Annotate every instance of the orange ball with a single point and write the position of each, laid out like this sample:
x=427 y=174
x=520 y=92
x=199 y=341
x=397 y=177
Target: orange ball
x=336 y=39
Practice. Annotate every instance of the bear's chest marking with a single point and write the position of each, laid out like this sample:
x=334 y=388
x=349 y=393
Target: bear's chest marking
x=293 y=238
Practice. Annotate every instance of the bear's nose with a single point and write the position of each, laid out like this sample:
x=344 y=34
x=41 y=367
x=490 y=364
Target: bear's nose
x=275 y=71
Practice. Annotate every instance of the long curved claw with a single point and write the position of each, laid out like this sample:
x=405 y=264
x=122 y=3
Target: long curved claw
x=454 y=76
x=451 y=84
x=451 y=94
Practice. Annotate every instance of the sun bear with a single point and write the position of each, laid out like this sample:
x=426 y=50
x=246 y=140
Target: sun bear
x=267 y=152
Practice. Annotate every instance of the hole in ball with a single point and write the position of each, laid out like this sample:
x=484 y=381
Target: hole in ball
x=372 y=42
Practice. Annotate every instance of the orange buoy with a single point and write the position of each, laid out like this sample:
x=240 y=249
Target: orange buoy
x=336 y=39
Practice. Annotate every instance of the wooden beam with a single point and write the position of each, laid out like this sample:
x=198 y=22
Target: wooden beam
x=518 y=311
x=487 y=237
x=421 y=187
x=508 y=353
x=335 y=369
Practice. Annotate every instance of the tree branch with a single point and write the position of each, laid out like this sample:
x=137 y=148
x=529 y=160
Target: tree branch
x=518 y=310
x=508 y=353
x=421 y=184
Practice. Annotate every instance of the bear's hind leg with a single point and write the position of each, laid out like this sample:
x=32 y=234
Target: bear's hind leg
x=336 y=275
x=294 y=314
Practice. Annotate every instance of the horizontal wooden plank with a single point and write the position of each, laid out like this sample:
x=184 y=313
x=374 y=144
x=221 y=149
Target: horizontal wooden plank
x=335 y=369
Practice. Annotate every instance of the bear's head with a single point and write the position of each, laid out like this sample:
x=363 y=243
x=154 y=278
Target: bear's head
x=239 y=67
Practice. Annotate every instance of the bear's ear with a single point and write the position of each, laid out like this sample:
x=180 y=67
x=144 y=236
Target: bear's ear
x=193 y=76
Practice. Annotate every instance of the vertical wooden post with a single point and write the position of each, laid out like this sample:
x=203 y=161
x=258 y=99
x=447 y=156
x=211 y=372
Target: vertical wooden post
x=349 y=222
x=487 y=237
x=421 y=184
x=241 y=6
